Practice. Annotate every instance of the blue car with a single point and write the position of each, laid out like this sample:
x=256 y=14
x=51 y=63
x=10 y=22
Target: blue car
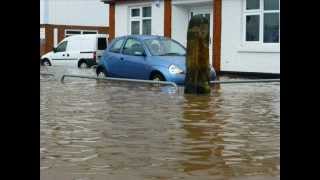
x=145 y=57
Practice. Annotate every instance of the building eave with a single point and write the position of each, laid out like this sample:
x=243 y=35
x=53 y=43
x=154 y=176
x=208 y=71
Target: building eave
x=108 y=1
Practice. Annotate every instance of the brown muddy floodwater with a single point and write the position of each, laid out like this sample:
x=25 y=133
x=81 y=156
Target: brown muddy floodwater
x=96 y=130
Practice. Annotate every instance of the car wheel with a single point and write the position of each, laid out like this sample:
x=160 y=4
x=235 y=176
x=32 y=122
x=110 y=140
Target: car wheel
x=157 y=77
x=101 y=73
x=46 y=62
x=83 y=65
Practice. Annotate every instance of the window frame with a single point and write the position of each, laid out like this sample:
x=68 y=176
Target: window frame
x=79 y=30
x=139 y=18
x=66 y=34
x=90 y=31
x=260 y=12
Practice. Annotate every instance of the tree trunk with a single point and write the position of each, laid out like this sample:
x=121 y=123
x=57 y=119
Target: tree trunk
x=198 y=70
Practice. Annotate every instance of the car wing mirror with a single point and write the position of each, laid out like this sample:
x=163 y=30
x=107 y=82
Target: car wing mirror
x=54 y=50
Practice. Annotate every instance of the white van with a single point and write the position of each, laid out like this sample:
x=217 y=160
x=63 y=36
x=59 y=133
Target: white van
x=78 y=51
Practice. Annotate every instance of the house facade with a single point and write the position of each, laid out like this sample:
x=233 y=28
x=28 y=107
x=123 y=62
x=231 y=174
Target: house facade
x=244 y=34
x=60 y=19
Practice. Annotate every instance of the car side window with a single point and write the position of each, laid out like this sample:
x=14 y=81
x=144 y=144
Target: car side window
x=117 y=46
x=62 y=47
x=133 y=47
x=102 y=43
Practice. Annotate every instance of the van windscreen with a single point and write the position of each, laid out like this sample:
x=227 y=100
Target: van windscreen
x=102 y=43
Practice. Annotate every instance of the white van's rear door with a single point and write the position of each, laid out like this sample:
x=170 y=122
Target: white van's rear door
x=101 y=46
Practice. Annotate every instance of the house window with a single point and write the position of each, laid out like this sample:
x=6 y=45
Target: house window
x=262 y=21
x=70 y=32
x=89 y=32
x=140 y=20
x=42 y=33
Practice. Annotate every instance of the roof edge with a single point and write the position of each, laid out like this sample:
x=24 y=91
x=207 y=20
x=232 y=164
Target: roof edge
x=108 y=1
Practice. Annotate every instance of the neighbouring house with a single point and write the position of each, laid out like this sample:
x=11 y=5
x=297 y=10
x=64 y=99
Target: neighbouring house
x=62 y=18
x=244 y=34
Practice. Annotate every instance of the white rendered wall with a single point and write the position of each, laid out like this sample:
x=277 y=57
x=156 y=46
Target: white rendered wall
x=42 y=3
x=179 y=27
x=191 y=1
x=44 y=11
x=76 y=12
x=122 y=17
x=121 y=20
x=235 y=56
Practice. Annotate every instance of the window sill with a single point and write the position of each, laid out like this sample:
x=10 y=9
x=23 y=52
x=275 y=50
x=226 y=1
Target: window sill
x=259 y=49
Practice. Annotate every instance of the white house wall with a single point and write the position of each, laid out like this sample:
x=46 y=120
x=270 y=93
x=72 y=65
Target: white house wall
x=179 y=25
x=158 y=19
x=44 y=11
x=122 y=17
x=237 y=58
x=75 y=12
x=197 y=2
x=42 y=3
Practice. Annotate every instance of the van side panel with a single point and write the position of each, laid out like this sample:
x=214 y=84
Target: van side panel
x=78 y=47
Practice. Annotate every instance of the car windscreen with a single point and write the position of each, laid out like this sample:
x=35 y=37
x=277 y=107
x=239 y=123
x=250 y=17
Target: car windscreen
x=164 y=47
x=102 y=43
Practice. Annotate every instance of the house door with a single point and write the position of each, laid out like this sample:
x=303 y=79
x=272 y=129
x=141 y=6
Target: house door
x=207 y=13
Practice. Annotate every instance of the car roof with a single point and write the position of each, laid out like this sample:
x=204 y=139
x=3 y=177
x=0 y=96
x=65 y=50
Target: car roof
x=142 y=37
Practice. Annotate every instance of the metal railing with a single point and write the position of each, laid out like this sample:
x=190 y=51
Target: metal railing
x=51 y=77
x=47 y=74
x=245 y=81
x=121 y=80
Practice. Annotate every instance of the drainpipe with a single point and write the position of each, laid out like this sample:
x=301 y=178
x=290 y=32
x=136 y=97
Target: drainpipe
x=216 y=49
x=167 y=18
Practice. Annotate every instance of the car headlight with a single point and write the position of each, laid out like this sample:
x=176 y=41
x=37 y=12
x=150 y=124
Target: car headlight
x=211 y=68
x=173 y=69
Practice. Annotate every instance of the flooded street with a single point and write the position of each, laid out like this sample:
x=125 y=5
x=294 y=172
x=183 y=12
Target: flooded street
x=96 y=130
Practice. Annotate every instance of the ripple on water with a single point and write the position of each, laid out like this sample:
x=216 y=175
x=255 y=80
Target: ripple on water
x=99 y=130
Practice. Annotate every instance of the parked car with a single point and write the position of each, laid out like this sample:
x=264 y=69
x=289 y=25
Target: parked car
x=78 y=51
x=145 y=57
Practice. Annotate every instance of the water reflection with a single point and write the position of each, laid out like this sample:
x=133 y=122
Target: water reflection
x=203 y=143
x=98 y=130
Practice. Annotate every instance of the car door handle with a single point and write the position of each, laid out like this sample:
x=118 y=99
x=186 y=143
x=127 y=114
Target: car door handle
x=121 y=58
x=68 y=55
x=63 y=54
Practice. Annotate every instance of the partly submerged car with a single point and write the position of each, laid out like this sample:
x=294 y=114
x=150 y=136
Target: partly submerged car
x=145 y=57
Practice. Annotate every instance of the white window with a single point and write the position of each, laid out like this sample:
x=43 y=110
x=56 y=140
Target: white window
x=70 y=32
x=89 y=32
x=261 y=19
x=42 y=33
x=55 y=37
x=140 y=20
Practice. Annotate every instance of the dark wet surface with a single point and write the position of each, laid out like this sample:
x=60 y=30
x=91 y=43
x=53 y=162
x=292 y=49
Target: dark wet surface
x=97 y=130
